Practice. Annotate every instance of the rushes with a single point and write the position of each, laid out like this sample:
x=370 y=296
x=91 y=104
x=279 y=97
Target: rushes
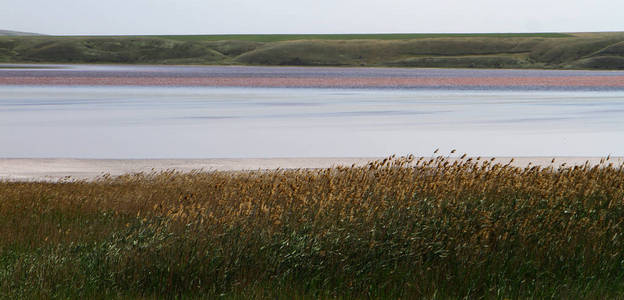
x=399 y=227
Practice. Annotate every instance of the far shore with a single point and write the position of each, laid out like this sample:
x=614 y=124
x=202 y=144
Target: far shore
x=54 y=169
x=597 y=51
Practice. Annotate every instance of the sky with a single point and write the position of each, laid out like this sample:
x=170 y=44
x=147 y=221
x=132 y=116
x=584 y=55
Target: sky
x=134 y=17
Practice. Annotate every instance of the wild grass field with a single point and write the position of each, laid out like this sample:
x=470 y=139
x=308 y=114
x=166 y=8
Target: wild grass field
x=520 y=50
x=398 y=228
x=381 y=36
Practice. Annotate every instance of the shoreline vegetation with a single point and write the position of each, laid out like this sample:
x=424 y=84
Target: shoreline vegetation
x=600 y=51
x=402 y=227
x=55 y=169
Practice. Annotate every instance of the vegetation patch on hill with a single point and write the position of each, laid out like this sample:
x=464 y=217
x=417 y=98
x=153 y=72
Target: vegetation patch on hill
x=543 y=50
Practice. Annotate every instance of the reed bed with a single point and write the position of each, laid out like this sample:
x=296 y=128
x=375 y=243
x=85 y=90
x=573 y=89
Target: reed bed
x=403 y=227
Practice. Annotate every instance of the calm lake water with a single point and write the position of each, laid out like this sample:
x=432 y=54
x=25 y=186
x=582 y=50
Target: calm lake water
x=221 y=122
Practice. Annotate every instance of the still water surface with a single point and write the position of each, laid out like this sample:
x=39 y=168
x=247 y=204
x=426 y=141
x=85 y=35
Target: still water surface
x=224 y=122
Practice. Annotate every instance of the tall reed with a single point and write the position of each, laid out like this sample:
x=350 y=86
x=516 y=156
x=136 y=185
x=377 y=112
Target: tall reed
x=401 y=227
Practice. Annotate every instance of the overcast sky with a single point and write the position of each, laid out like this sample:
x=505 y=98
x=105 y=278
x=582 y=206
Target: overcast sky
x=308 y=16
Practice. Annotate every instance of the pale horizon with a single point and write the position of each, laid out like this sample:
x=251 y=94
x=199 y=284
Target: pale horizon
x=166 y=17
x=315 y=33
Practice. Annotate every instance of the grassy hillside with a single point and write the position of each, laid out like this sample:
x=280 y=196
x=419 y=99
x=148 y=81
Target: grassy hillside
x=544 y=50
x=16 y=33
x=388 y=36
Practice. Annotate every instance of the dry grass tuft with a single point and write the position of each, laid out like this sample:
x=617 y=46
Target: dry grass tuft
x=400 y=227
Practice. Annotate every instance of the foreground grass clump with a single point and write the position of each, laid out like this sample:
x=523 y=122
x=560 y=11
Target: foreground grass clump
x=400 y=227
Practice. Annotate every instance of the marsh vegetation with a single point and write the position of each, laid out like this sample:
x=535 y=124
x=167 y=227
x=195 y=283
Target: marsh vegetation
x=401 y=227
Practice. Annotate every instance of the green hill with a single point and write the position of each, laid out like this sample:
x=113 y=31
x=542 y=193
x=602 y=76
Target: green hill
x=521 y=50
x=16 y=33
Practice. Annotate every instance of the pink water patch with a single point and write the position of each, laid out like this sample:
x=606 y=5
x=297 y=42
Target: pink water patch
x=337 y=82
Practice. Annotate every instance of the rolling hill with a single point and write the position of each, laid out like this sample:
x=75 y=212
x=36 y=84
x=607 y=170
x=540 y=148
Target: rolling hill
x=16 y=33
x=521 y=50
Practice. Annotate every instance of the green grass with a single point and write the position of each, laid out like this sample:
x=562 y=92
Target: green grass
x=540 y=50
x=390 y=36
x=398 y=228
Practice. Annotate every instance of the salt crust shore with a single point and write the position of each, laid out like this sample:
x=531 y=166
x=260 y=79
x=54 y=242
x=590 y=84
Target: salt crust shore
x=54 y=169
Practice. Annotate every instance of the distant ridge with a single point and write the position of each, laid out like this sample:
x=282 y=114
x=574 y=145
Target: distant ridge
x=16 y=33
x=600 y=50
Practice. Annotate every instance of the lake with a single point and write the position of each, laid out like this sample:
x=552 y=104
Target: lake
x=228 y=112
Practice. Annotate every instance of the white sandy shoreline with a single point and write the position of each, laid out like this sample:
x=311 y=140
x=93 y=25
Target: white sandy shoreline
x=53 y=169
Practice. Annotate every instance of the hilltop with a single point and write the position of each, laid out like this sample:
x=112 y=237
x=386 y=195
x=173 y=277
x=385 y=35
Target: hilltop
x=514 y=50
x=16 y=33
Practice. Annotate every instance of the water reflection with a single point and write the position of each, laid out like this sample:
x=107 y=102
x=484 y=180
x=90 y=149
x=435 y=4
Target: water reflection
x=170 y=122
